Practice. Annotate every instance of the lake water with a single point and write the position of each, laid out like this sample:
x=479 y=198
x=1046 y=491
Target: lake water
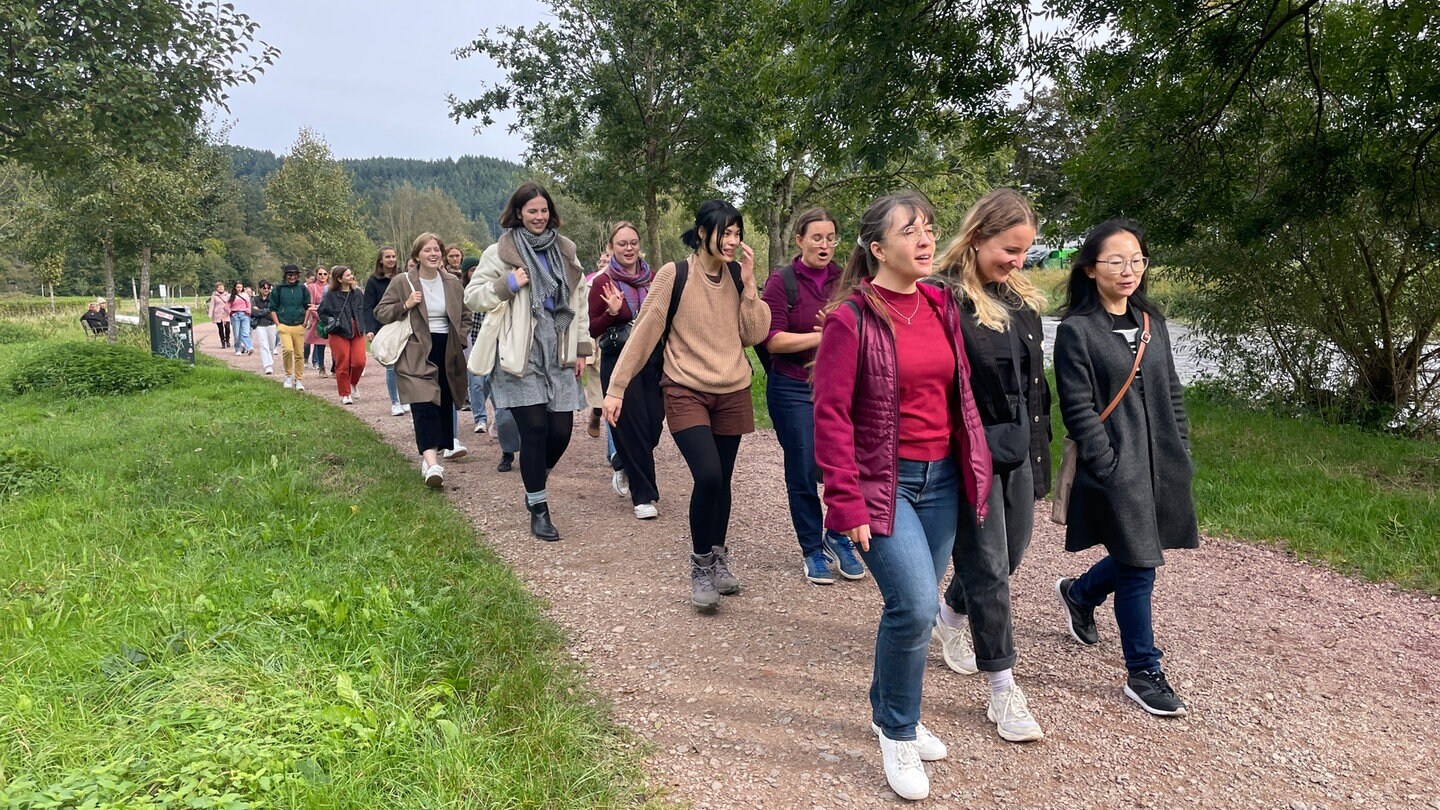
x=1187 y=358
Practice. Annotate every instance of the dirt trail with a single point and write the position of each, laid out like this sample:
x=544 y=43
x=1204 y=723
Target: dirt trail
x=1306 y=689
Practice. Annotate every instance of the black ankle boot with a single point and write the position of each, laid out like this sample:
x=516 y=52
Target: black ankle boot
x=507 y=462
x=540 y=524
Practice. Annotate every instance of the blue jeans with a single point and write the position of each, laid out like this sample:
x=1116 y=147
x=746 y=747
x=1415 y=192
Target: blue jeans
x=793 y=414
x=240 y=326
x=907 y=566
x=1132 y=588
x=392 y=385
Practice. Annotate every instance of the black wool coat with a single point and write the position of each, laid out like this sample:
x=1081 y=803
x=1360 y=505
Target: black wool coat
x=1132 y=484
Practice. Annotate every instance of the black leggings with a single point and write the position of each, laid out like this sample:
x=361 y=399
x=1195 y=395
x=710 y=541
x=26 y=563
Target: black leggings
x=224 y=327
x=543 y=439
x=712 y=463
x=637 y=434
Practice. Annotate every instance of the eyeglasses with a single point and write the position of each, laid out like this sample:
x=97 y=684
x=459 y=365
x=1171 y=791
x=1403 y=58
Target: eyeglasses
x=912 y=233
x=832 y=240
x=1117 y=266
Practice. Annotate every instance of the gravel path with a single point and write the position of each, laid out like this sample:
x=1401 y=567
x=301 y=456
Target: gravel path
x=1306 y=689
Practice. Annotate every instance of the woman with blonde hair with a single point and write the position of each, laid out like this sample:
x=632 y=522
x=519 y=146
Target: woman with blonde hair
x=431 y=367
x=1000 y=318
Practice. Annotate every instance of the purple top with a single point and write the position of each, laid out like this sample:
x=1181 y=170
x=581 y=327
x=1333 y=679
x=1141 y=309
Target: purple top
x=813 y=288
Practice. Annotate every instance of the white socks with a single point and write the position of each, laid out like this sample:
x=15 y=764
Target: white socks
x=951 y=619
x=1000 y=681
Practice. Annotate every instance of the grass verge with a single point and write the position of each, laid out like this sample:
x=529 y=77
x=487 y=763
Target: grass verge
x=214 y=596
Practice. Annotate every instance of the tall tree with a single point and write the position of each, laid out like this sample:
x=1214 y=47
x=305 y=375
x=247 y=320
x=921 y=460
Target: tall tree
x=626 y=101
x=1289 y=151
x=138 y=74
x=312 y=200
x=410 y=211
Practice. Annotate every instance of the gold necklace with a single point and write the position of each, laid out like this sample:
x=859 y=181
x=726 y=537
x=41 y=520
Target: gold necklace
x=896 y=310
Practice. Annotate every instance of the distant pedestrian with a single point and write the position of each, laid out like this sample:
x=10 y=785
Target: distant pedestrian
x=431 y=368
x=262 y=326
x=219 y=312
x=342 y=309
x=1124 y=408
x=454 y=259
x=901 y=447
x=94 y=320
x=796 y=292
x=386 y=266
x=239 y=305
x=289 y=306
x=530 y=280
x=706 y=387
x=314 y=344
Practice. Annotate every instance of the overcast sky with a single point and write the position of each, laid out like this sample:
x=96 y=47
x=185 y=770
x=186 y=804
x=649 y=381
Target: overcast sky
x=372 y=76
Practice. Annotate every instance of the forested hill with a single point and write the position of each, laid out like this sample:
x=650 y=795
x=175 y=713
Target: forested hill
x=479 y=185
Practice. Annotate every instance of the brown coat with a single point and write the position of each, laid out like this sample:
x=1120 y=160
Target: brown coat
x=419 y=380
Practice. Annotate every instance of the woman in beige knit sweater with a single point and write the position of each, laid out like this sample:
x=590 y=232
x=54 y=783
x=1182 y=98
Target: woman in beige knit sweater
x=715 y=314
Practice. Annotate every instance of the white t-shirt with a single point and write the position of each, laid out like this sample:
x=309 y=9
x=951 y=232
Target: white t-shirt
x=434 y=290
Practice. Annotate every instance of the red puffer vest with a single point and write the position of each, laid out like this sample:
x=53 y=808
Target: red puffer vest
x=857 y=416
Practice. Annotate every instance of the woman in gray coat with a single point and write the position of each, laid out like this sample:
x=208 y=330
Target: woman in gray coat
x=1132 y=482
x=431 y=370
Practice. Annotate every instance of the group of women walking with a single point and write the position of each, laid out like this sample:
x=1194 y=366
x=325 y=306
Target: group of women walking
x=911 y=382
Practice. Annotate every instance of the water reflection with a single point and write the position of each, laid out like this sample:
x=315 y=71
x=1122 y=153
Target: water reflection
x=1187 y=344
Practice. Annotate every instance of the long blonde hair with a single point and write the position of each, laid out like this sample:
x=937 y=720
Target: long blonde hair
x=991 y=215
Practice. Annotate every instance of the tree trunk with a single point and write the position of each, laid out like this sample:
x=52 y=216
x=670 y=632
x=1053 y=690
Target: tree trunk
x=652 y=226
x=781 y=210
x=113 y=332
x=143 y=301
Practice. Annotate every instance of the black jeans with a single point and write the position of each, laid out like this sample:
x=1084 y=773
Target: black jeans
x=544 y=436
x=434 y=426
x=638 y=432
x=984 y=558
x=712 y=462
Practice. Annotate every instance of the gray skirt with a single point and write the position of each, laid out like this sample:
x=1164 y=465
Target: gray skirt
x=545 y=382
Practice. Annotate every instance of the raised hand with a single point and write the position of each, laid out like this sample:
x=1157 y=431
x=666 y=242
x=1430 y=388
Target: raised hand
x=612 y=298
x=747 y=265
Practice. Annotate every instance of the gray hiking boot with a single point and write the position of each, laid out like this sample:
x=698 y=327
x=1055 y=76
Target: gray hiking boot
x=702 y=582
x=725 y=582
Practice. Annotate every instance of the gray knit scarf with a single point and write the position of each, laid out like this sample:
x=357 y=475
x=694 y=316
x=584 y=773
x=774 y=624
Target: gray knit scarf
x=552 y=284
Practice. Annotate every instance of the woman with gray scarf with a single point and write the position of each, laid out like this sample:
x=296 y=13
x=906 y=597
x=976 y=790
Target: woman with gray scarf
x=529 y=285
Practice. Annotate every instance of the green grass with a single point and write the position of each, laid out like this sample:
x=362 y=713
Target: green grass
x=218 y=596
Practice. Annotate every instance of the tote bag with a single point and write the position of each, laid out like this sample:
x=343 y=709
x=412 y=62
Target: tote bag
x=390 y=341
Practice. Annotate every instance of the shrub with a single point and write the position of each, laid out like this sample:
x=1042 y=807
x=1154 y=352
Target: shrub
x=23 y=469
x=93 y=369
x=17 y=332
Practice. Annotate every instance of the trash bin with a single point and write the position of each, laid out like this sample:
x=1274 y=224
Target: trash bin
x=172 y=333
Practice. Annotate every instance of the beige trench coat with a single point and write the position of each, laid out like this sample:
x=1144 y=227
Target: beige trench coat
x=419 y=380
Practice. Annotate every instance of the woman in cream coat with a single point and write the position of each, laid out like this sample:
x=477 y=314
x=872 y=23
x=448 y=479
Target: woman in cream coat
x=535 y=338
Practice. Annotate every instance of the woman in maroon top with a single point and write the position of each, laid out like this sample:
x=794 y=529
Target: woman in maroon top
x=899 y=440
x=615 y=298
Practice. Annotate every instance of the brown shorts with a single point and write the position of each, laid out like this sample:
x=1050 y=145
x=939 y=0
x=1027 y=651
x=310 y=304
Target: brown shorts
x=725 y=414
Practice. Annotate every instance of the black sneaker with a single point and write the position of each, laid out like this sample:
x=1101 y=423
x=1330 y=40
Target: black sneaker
x=1153 y=693
x=1080 y=620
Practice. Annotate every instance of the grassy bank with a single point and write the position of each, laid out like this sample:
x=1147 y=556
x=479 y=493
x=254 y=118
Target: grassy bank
x=219 y=596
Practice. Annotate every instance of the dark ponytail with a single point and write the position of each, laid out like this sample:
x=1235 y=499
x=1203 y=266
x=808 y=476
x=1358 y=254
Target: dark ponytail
x=713 y=217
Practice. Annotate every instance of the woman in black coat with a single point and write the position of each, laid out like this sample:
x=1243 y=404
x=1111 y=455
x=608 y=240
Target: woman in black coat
x=1000 y=319
x=1132 y=482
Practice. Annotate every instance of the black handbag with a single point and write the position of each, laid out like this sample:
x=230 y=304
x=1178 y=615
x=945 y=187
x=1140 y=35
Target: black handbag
x=1009 y=442
x=613 y=339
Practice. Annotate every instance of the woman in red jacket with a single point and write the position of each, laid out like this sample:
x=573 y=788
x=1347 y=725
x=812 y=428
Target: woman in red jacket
x=899 y=440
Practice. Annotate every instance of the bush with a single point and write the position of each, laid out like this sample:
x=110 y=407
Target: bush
x=17 y=332
x=93 y=369
x=23 y=469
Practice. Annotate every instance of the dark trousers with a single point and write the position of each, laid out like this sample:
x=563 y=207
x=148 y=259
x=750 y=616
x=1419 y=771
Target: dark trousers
x=544 y=436
x=1132 y=588
x=223 y=326
x=793 y=413
x=711 y=460
x=637 y=434
x=984 y=557
x=434 y=424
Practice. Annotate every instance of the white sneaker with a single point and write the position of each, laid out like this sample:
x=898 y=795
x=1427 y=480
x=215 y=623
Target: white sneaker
x=620 y=483
x=930 y=747
x=354 y=393
x=269 y=371
x=955 y=646
x=299 y=386
x=903 y=768
x=434 y=476
x=347 y=400
x=646 y=511
x=406 y=406
x=481 y=427
x=1010 y=712
x=289 y=381
x=396 y=410
x=457 y=452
